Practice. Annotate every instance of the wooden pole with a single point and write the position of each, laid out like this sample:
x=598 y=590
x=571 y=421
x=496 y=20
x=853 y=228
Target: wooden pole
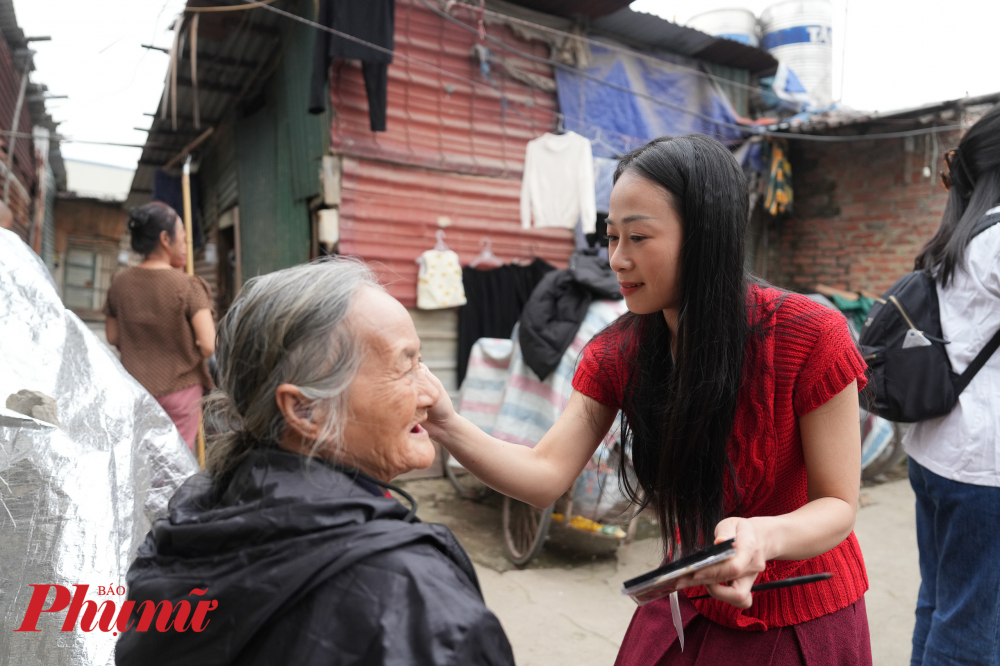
x=188 y=149
x=238 y=271
x=189 y=232
x=188 y=229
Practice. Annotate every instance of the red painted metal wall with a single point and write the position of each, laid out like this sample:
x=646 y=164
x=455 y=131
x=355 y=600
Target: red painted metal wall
x=390 y=214
x=451 y=150
x=438 y=121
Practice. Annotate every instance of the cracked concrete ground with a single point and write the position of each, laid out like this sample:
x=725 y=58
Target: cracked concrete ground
x=566 y=607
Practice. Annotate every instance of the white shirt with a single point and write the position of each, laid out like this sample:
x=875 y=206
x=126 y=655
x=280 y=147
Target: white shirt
x=558 y=185
x=965 y=445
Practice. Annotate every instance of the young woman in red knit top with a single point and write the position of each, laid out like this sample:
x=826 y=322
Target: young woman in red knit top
x=740 y=404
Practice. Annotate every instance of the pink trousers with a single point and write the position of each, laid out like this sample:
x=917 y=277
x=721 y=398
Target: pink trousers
x=184 y=409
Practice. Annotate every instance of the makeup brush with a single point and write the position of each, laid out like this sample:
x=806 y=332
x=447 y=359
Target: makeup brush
x=784 y=582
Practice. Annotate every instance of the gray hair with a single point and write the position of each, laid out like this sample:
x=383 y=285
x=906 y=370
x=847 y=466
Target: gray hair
x=285 y=327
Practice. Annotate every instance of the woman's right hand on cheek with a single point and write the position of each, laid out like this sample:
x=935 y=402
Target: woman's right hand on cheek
x=442 y=410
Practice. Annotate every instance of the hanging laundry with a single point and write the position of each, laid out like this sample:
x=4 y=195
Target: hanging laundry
x=553 y=314
x=495 y=300
x=372 y=21
x=168 y=189
x=439 y=283
x=779 y=187
x=558 y=185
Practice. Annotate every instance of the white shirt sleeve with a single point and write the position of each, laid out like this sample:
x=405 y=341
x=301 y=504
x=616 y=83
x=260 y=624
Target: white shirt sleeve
x=588 y=202
x=991 y=274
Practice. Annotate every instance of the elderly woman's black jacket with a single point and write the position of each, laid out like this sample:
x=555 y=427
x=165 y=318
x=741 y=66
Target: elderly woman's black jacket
x=308 y=568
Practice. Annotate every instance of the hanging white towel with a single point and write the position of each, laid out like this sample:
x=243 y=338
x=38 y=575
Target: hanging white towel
x=558 y=185
x=439 y=283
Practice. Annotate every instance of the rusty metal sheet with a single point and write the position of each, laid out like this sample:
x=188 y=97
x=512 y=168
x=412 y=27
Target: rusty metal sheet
x=24 y=150
x=452 y=150
x=389 y=214
x=437 y=121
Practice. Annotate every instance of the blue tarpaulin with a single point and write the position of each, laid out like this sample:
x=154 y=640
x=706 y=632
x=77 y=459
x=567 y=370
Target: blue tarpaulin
x=617 y=121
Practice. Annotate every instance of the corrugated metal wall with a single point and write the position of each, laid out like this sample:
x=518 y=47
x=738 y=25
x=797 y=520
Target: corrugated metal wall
x=738 y=95
x=274 y=232
x=435 y=120
x=452 y=150
x=308 y=134
x=390 y=213
x=279 y=149
x=24 y=157
x=218 y=173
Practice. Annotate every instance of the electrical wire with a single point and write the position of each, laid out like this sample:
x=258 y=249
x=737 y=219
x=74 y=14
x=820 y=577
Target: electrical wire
x=66 y=139
x=751 y=131
x=429 y=65
x=458 y=77
x=228 y=8
x=605 y=45
x=740 y=128
x=579 y=72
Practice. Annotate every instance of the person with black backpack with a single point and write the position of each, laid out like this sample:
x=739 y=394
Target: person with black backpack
x=954 y=461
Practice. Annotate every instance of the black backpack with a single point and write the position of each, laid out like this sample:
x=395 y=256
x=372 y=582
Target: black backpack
x=915 y=383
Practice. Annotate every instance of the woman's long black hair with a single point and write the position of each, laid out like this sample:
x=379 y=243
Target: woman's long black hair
x=677 y=413
x=975 y=188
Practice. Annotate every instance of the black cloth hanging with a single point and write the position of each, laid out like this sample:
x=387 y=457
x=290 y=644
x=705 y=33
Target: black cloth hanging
x=495 y=299
x=169 y=190
x=372 y=21
x=558 y=306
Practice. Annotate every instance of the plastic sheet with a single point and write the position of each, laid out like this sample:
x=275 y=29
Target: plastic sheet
x=77 y=499
x=616 y=121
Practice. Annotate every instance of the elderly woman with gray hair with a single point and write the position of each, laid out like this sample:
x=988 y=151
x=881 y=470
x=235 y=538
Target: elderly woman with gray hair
x=305 y=558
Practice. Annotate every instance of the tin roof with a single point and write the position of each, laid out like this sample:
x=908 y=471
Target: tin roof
x=570 y=8
x=648 y=30
x=236 y=54
x=925 y=114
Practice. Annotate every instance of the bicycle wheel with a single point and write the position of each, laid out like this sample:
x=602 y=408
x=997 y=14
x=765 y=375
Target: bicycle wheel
x=524 y=530
x=465 y=483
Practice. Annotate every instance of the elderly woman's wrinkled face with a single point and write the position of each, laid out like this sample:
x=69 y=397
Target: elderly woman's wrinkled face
x=389 y=398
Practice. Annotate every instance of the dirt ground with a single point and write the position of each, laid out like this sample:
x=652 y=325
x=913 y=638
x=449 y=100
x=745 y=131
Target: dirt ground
x=566 y=606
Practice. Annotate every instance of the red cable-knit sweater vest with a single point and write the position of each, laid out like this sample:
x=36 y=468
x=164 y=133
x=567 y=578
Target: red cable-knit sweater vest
x=802 y=356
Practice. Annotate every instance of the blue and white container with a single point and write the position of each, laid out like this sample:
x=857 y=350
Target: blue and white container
x=739 y=25
x=799 y=33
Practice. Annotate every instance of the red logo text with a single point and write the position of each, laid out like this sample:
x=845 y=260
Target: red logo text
x=164 y=616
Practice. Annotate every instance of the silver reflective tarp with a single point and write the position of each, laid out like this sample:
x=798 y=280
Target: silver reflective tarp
x=77 y=499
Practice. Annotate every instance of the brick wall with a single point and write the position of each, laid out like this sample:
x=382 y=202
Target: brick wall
x=862 y=212
x=19 y=206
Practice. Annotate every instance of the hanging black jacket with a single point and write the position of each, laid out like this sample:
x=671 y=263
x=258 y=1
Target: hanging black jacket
x=372 y=21
x=558 y=306
x=308 y=568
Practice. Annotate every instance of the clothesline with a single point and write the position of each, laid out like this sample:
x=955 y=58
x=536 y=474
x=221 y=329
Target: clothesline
x=752 y=131
x=595 y=42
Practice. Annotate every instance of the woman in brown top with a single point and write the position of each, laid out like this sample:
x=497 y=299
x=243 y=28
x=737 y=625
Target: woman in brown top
x=160 y=318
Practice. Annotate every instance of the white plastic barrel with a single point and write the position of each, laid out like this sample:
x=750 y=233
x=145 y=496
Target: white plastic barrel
x=799 y=34
x=739 y=25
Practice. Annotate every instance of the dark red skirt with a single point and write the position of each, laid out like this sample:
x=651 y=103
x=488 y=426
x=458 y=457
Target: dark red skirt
x=837 y=639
